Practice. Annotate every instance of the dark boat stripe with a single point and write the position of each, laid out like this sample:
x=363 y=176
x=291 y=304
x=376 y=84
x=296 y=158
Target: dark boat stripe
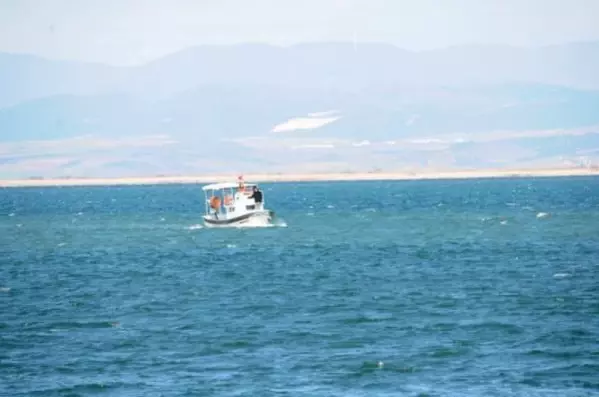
x=233 y=220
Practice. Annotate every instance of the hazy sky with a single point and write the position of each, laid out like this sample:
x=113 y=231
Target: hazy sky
x=135 y=31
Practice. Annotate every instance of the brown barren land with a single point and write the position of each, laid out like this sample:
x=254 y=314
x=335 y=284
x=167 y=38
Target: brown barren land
x=302 y=177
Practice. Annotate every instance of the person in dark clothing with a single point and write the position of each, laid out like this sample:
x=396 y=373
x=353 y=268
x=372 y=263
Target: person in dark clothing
x=257 y=196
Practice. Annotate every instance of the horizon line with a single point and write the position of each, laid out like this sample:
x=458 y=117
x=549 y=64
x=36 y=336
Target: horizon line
x=307 y=176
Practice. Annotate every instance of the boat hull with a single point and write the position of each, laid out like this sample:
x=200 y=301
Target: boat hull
x=254 y=218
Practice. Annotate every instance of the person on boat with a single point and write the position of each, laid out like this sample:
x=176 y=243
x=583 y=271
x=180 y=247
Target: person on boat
x=257 y=196
x=215 y=205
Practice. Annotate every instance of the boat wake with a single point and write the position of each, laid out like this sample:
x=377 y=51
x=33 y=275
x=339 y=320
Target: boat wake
x=279 y=223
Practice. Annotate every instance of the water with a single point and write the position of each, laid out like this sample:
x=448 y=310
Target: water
x=424 y=288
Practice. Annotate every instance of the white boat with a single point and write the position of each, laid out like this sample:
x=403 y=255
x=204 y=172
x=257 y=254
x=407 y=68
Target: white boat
x=230 y=204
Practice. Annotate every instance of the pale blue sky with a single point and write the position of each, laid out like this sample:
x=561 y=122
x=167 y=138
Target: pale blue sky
x=135 y=31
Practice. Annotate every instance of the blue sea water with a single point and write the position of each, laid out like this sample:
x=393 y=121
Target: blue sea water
x=413 y=288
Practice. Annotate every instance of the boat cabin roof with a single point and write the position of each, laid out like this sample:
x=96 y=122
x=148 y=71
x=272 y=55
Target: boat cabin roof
x=225 y=185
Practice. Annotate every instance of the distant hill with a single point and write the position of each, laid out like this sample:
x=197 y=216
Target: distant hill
x=339 y=66
x=213 y=113
x=309 y=105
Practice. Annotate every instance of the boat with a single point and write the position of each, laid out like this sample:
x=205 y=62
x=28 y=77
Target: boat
x=230 y=204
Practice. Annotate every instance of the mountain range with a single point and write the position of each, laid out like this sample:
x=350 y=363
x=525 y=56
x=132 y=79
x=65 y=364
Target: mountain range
x=308 y=107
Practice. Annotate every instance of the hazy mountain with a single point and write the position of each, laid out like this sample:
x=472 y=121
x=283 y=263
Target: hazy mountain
x=320 y=105
x=212 y=113
x=26 y=77
x=341 y=66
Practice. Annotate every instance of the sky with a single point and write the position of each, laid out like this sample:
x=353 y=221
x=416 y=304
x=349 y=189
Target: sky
x=130 y=32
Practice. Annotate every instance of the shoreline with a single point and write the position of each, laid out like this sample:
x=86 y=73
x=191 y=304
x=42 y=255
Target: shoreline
x=302 y=177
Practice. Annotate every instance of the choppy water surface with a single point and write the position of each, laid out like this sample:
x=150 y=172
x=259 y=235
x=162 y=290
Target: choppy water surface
x=424 y=288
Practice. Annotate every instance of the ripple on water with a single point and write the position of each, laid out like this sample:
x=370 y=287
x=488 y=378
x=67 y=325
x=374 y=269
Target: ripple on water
x=388 y=292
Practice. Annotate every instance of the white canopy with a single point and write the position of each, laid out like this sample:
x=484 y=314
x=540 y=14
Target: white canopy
x=224 y=185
